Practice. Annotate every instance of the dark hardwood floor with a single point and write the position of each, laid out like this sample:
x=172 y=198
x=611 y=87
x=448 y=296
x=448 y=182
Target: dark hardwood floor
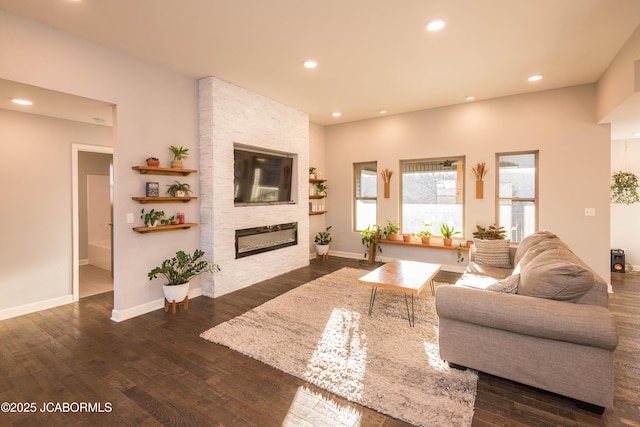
x=155 y=370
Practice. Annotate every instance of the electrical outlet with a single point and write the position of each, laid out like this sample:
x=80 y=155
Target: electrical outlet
x=129 y=218
x=589 y=211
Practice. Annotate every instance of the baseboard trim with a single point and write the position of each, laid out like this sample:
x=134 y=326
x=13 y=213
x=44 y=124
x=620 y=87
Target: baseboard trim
x=8 y=313
x=129 y=313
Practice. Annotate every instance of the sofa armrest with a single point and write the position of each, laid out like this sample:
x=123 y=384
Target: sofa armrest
x=583 y=324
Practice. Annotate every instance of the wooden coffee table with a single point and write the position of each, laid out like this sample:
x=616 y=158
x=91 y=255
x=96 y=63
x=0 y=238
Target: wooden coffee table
x=410 y=277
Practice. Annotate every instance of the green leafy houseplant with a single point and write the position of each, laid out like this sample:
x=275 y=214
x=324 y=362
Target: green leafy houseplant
x=624 y=188
x=177 y=187
x=152 y=217
x=323 y=237
x=367 y=235
x=391 y=228
x=493 y=232
x=179 y=153
x=321 y=187
x=447 y=231
x=183 y=267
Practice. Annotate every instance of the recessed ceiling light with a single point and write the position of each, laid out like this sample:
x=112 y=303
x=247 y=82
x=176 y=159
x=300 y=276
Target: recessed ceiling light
x=382 y=111
x=336 y=114
x=310 y=64
x=470 y=98
x=535 y=78
x=21 y=101
x=435 y=25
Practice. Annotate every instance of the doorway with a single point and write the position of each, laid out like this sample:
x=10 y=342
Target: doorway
x=93 y=220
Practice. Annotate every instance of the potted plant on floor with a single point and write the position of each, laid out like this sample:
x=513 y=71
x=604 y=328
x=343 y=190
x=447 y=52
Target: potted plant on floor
x=322 y=240
x=179 y=154
x=178 y=271
x=178 y=189
x=448 y=231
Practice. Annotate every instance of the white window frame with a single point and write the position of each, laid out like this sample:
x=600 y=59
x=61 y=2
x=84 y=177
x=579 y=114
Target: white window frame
x=357 y=198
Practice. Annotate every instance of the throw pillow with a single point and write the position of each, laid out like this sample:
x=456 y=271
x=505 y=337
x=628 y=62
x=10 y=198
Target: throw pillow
x=494 y=253
x=555 y=274
x=508 y=285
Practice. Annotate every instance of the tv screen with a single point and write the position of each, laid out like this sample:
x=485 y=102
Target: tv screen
x=260 y=178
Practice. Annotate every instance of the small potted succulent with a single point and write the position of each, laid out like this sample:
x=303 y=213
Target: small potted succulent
x=448 y=231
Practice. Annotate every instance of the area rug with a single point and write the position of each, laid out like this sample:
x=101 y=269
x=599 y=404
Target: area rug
x=321 y=332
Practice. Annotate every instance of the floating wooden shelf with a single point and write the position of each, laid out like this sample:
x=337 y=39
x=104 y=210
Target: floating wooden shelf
x=317 y=197
x=317 y=213
x=152 y=170
x=431 y=245
x=316 y=180
x=163 y=199
x=165 y=227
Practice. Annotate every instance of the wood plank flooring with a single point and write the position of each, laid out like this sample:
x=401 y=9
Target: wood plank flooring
x=155 y=370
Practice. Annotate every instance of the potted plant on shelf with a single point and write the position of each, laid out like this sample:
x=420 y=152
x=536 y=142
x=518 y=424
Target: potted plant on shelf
x=322 y=240
x=312 y=172
x=151 y=218
x=178 y=189
x=178 y=271
x=368 y=235
x=153 y=162
x=179 y=154
x=391 y=230
x=321 y=188
x=448 y=231
x=425 y=233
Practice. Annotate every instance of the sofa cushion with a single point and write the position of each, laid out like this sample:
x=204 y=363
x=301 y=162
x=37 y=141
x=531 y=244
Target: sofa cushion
x=556 y=274
x=494 y=253
x=508 y=285
x=539 y=239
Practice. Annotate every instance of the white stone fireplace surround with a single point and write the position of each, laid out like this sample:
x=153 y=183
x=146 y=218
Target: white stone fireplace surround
x=230 y=115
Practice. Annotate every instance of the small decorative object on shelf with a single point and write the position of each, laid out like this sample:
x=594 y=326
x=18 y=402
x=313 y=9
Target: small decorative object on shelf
x=153 y=189
x=312 y=172
x=153 y=162
x=179 y=154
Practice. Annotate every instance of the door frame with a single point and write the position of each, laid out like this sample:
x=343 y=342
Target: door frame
x=75 y=271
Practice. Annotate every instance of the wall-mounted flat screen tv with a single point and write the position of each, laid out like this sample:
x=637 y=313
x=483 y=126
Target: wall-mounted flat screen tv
x=261 y=178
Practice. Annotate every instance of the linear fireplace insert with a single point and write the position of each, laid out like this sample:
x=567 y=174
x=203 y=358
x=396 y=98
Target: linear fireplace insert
x=251 y=241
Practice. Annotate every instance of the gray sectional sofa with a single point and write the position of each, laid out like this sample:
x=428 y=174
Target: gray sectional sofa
x=535 y=314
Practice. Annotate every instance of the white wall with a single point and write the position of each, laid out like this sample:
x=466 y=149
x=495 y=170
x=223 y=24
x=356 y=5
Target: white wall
x=625 y=227
x=316 y=158
x=231 y=115
x=35 y=219
x=156 y=108
x=573 y=165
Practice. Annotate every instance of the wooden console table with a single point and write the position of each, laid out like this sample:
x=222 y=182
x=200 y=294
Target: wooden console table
x=434 y=245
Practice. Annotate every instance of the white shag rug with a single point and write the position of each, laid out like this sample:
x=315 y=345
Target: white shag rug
x=321 y=332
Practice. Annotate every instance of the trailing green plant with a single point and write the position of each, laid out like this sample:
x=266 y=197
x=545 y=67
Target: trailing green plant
x=179 y=153
x=178 y=186
x=448 y=231
x=624 y=188
x=367 y=235
x=150 y=218
x=323 y=237
x=493 y=232
x=459 y=253
x=183 y=267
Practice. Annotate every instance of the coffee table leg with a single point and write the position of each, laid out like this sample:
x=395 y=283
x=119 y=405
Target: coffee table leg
x=412 y=316
x=433 y=289
x=372 y=299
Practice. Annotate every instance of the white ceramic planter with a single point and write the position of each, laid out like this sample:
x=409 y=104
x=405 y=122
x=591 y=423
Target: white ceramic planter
x=176 y=293
x=322 y=249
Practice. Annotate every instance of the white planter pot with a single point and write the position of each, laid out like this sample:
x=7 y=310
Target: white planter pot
x=176 y=293
x=322 y=249
x=180 y=194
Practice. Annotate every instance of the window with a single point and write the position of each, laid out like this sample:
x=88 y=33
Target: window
x=432 y=191
x=517 y=193
x=365 y=192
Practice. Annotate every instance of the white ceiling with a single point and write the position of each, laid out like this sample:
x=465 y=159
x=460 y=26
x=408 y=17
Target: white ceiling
x=372 y=54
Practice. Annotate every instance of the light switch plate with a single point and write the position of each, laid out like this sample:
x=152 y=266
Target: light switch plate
x=129 y=218
x=589 y=211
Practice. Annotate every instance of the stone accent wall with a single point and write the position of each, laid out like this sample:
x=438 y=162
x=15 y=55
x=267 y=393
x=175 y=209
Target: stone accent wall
x=231 y=115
